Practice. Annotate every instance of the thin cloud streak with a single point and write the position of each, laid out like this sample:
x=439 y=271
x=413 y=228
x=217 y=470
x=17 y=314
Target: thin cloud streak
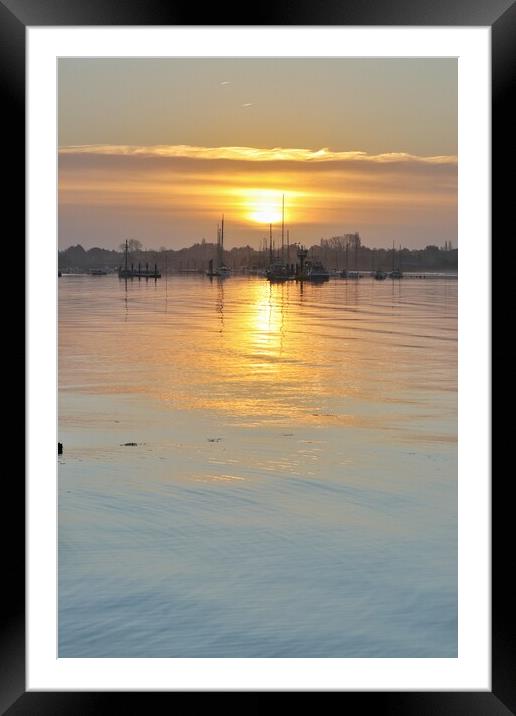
x=276 y=154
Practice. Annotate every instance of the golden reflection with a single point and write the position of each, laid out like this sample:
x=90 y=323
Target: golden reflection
x=267 y=325
x=220 y=302
x=248 y=350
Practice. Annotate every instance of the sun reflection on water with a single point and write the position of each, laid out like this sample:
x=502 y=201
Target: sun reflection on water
x=253 y=351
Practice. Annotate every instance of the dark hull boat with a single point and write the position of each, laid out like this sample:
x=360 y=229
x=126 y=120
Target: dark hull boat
x=317 y=272
x=314 y=271
x=279 y=272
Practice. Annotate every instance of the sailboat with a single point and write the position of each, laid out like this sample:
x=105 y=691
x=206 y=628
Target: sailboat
x=221 y=269
x=396 y=272
x=279 y=270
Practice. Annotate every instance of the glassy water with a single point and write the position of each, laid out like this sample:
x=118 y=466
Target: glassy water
x=292 y=489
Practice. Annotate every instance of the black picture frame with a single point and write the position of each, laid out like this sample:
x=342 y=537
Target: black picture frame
x=15 y=16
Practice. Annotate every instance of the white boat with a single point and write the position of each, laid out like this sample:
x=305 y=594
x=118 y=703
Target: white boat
x=224 y=270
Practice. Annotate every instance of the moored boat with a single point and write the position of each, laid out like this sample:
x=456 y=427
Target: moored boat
x=279 y=271
x=317 y=272
x=313 y=271
x=221 y=270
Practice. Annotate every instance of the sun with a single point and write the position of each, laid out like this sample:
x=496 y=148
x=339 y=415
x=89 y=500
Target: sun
x=264 y=206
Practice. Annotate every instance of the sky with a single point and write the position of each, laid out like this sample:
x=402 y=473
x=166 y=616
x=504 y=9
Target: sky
x=158 y=149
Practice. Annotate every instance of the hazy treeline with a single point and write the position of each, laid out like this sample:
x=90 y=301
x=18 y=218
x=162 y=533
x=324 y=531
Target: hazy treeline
x=337 y=252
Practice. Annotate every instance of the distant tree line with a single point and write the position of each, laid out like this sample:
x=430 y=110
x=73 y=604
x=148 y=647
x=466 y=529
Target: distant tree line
x=337 y=252
x=348 y=252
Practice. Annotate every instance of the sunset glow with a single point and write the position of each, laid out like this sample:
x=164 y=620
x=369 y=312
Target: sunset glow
x=177 y=196
x=366 y=146
x=264 y=206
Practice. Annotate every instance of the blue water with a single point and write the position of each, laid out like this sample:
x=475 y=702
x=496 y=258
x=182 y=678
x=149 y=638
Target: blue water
x=293 y=489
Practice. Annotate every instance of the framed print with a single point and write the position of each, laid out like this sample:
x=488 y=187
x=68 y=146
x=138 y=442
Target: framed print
x=273 y=468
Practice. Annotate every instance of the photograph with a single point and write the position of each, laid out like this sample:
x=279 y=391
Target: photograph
x=257 y=421
x=258 y=382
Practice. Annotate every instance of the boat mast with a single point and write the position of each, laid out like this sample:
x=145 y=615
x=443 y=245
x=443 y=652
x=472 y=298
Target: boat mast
x=283 y=228
x=222 y=242
x=126 y=250
x=270 y=244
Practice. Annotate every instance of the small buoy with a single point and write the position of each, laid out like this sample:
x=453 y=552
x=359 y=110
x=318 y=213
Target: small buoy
x=59 y=448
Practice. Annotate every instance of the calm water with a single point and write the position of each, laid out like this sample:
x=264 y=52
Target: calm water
x=293 y=489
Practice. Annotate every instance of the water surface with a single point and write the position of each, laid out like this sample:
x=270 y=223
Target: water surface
x=293 y=487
